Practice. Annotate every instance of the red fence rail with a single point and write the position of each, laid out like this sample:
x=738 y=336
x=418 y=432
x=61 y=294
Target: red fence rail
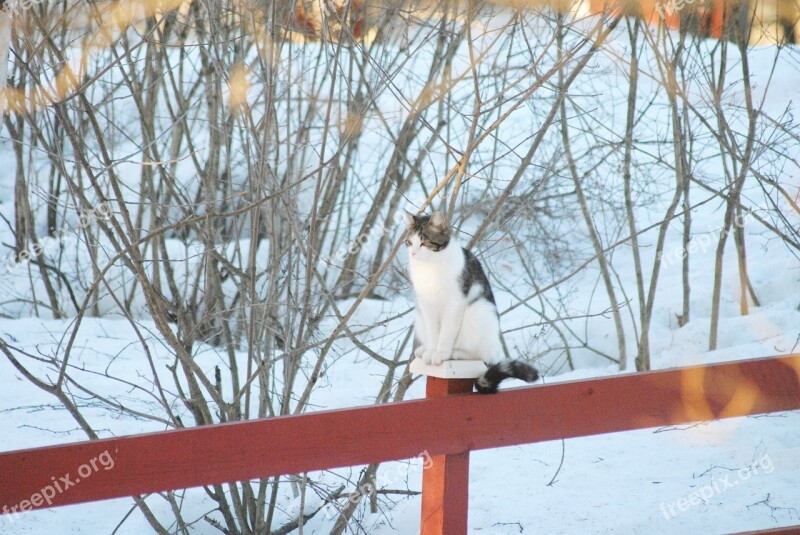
x=445 y=425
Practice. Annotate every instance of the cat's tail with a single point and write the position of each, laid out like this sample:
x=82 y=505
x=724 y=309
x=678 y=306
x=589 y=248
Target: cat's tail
x=517 y=369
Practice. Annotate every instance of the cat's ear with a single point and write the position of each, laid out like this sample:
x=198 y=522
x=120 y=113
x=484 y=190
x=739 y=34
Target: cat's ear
x=409 y=217
x=437 y=220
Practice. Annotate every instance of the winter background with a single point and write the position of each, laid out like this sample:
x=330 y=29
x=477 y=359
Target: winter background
x=200 y=224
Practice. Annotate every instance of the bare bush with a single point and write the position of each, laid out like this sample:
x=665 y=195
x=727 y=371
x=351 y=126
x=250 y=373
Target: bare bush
x=227 y=177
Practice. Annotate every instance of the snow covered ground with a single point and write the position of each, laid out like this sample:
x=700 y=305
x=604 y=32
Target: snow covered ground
x=713 y=477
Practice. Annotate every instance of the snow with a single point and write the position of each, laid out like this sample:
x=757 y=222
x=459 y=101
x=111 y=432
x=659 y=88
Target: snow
x=631 y=482
x=712 y=477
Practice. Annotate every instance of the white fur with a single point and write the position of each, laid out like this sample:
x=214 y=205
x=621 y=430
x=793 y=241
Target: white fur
x=447 y=326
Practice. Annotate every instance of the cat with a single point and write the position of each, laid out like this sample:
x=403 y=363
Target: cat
x=456 y=315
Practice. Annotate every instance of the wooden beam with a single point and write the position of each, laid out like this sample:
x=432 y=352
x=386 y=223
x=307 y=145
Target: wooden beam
x=438 y=426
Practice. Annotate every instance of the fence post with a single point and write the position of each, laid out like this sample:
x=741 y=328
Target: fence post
x=445 y=484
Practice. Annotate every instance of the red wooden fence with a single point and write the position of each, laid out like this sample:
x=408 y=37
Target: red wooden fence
x=447 y=424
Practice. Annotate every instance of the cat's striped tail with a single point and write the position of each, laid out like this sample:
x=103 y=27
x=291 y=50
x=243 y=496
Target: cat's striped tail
x=517 y=369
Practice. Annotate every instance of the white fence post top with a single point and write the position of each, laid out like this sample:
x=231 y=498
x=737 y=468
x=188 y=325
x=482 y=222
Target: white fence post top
x=450 y=369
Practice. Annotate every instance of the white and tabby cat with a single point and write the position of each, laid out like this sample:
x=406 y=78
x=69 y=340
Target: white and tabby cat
x=456 y=316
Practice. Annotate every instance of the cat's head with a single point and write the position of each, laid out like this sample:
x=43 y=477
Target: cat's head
x=426 y=235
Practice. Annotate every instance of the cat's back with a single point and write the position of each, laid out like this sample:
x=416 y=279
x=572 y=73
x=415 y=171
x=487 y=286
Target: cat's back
x=474 y=282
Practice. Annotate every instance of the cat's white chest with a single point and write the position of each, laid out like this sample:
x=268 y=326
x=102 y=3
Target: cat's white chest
x=435 y=281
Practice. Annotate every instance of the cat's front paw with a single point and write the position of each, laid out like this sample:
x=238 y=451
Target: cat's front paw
x=437 y=357
x=428 y=355
x=431 y=355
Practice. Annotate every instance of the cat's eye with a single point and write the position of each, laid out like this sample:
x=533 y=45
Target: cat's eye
x=408 y=242
x=427 y=243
